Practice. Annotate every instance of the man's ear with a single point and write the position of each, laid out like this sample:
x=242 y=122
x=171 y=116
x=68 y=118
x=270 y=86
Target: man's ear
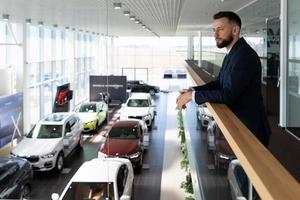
x=236 y=30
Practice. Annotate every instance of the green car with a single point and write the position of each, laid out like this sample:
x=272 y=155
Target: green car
x=92 y=114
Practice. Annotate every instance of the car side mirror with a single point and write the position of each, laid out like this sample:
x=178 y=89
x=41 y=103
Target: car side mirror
x=69 y=134
x=54 y=196
x=125 y=197
x=123 y=104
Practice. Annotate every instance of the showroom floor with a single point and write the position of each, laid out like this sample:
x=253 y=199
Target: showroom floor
x=147 y=183
x=161 y=175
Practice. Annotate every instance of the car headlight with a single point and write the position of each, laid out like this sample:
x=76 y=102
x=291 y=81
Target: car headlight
x=91 y=122
x=49 y=155
x=223 y=156
x=13 y=155
x=101 y=155
x=135 y=155
x=147 y=116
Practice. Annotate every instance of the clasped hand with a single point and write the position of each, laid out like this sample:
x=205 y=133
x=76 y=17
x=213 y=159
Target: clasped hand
x=184 y=97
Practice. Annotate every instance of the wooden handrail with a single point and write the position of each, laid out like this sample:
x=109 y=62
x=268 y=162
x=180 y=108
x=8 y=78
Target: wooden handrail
x=270 y=179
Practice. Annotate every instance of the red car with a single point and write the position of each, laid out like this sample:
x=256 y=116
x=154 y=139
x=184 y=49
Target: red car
x=125 y=139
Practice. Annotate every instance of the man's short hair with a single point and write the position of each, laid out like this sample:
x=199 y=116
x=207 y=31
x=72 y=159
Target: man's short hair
x=231 y=16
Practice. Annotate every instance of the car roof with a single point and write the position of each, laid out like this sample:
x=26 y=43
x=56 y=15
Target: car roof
x=126 y=123
x=99 y=170
x=56 y=118
x=139 y=96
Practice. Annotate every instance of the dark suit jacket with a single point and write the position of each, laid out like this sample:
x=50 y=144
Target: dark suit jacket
x=238 y=85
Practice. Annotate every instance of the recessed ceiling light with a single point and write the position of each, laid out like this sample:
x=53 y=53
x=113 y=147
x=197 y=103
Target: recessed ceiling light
x=132 y=17
x=28 y=21
x=40 y=23
x=126 y=13
x=117 y=6
x=5 y=17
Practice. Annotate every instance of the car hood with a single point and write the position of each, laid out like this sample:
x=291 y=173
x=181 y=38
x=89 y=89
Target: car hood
x=135 y=111
x=121 y=147
x=30 y=147
x=87 y=117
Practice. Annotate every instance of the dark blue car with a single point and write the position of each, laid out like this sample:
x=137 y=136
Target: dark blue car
x=15 y=178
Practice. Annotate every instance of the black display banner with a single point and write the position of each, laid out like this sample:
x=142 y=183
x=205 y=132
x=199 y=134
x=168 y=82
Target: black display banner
x=115 y=86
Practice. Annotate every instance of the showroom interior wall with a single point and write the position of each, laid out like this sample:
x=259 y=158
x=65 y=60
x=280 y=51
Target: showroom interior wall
x=138 y=56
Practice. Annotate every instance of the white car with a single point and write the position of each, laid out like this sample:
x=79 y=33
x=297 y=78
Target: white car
x=100 y=178
x=211 y=135
x=50 y=140
x=139 y=106
x=239 y=183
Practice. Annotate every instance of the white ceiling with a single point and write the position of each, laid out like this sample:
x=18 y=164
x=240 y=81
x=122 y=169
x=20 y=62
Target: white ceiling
x=164 y=17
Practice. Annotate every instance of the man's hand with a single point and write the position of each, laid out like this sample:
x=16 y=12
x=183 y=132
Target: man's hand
x=184 y=97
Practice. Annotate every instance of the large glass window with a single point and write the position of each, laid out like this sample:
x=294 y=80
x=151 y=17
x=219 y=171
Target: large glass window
x=293 y=71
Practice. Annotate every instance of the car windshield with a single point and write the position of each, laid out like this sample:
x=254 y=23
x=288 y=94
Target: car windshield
x=88 y=108
x=89 y=191
x=123 y=133
x=138 y=103
x=49 y=131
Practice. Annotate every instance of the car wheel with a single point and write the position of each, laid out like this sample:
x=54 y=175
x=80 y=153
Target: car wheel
x=138 y=169
x=59 y=162
x=152 y=92
x=25 y=193
x=80 y=142
x=150 y=127
x=132 y=192
x=97 y=126
x=216 y=161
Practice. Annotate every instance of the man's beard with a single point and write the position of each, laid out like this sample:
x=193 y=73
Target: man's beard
x=225 y=42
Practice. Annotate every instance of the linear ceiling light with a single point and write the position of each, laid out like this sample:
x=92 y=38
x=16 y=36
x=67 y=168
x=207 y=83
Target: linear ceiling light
x=5 y=17
x=126 y=13
x=117 y=6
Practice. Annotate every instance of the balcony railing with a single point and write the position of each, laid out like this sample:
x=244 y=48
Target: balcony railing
x=270 y=179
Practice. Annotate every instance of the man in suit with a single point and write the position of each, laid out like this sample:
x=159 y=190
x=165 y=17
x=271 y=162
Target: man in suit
x=238 y=84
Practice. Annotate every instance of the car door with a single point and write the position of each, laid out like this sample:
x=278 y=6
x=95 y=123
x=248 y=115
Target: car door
x=70 y=135
x=75 y=130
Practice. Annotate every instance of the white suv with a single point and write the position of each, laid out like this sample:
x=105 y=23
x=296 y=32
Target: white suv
x=139 y=106
x=50 y=140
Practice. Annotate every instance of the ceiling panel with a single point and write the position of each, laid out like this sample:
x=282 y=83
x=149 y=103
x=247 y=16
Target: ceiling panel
x=164 y=17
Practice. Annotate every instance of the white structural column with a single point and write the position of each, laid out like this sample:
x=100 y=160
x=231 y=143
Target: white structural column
x=190 y=48
x=26 y=97
x=200 y=48
x=172 y=175
x=283 y=62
